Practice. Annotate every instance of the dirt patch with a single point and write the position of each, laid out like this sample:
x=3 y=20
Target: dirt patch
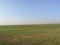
x=27 y=37
x=14 y=38
x=21 y=36
x=41 y=35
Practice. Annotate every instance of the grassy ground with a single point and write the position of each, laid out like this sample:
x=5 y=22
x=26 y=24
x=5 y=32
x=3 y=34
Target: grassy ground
x=30 y=35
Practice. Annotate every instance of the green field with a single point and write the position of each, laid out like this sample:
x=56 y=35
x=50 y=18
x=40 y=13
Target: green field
x=44 y=34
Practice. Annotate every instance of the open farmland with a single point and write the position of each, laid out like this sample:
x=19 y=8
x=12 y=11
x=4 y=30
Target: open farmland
x=44 y=34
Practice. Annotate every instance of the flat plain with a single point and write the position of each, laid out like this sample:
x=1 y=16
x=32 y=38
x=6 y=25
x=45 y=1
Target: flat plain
x=44 y=34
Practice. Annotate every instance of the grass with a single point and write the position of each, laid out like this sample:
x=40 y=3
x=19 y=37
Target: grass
x=45 y=34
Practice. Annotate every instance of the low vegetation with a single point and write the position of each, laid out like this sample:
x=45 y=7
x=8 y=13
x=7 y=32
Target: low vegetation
x=48 y=34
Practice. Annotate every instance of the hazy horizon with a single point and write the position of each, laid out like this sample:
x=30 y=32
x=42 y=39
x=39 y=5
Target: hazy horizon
x=21 y=12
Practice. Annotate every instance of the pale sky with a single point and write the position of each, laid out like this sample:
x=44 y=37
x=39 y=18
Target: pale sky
x=13 y=12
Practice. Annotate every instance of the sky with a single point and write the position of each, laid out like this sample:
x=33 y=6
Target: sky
x=17 y=12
